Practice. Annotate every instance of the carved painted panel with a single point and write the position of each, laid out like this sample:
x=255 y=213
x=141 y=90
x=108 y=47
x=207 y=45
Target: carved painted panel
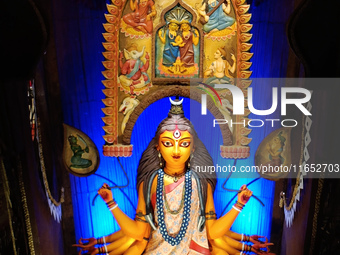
x=154 y=48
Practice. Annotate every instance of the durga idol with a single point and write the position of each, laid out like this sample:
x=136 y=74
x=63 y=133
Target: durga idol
x=175 y=212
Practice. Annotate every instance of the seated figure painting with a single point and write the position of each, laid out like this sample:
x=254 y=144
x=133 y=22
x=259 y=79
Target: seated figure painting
x=219 y=70
x=134 y=78
x=139 y=21
x=215 y=16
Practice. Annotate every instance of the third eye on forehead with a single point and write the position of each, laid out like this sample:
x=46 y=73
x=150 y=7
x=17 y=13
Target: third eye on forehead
x=172 y=138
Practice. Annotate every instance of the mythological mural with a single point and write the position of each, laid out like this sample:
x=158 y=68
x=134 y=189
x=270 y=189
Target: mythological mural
x=154 y=48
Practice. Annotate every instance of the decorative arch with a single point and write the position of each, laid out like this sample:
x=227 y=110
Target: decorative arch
x=175 y=91
x=128 y=91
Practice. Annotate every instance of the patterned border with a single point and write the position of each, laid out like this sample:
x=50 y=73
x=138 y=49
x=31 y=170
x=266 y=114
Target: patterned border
x=26 y=211
x=240 y=148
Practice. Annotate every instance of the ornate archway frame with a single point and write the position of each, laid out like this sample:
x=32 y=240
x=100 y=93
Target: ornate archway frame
x=183 y=91
x=117 y=138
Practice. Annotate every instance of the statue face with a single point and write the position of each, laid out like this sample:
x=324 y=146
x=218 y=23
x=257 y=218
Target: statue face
x=143 y=2
x=173 y=26
x=134 y=54
x=277 y=140
x=217 y=54
x=175 y=146
x=185 y=27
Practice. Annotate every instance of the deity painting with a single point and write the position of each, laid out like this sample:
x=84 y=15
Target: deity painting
x=133 y=78
x=227 y=109
x=273 y=154
x=215 y=16
x=139 y=21
x=77 y=160
x=127 y=107
x=177 y=46
x=220 y=69
x=80 y=154
x=275 y=149
x=159 y=45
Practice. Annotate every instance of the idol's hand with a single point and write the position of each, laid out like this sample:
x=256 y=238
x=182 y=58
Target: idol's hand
x=244 y=195
x=147 y=56
x=257 y=249
x=258 y=246
x=256 y=239
x=88 y=246
x=105 y=193
x=89 y=242
x=90 y=251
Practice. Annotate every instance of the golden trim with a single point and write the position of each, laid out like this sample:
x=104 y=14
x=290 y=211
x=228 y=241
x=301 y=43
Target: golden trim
x=297 y=183
x=26 y=211
x=43 y=171
x=316 y=213
x=7 y=192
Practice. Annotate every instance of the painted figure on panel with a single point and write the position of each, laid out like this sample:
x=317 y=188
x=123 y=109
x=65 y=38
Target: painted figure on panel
x=77 y=160
x=133 y=71
x=180 y=42
x=189 y=37
x=175 y=212
x=171 y=40
x=226 y=109
x=127 y=107
x=218 y=71
x=141 y=17
x=275 y=149
x=215 y=15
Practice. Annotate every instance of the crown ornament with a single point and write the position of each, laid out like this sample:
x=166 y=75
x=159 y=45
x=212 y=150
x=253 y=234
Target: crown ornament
x=176 y=106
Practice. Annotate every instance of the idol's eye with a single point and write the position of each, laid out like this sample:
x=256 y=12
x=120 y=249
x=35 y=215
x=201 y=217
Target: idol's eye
x=167 y=143
x=185 y=144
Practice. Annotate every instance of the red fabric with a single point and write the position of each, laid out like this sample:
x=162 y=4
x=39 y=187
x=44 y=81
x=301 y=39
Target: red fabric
x=196 y=247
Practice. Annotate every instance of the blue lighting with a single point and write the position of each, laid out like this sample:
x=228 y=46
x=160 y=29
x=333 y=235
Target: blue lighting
x=97 y=220
x=80 y=82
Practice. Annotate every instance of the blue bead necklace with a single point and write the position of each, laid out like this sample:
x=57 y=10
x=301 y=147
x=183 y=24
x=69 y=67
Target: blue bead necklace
x=186 y=211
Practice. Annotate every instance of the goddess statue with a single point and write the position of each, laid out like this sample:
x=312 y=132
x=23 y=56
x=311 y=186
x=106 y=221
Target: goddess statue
x=175 y=212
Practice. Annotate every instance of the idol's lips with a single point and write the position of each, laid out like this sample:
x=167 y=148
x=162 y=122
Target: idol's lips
x=176 y=157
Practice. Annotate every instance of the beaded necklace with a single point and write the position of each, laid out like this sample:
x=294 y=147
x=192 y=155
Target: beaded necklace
x=186 y=211
x=170 y=34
